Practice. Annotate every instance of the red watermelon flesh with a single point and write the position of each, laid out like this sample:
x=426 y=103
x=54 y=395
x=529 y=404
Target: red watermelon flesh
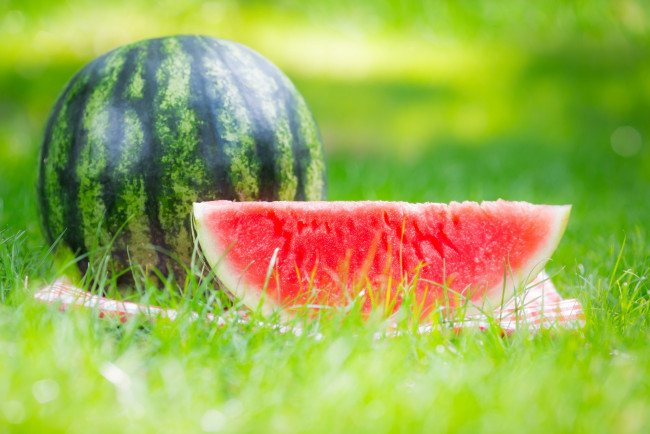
x=288 y=255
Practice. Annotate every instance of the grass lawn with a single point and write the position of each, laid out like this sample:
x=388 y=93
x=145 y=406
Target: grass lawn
x=548 y=125
x=75 y=372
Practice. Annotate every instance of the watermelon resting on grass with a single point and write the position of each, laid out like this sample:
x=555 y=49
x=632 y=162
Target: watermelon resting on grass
x=289 y=256
x=142 y=132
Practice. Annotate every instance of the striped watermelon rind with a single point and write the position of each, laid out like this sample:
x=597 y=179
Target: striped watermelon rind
x=142 y=132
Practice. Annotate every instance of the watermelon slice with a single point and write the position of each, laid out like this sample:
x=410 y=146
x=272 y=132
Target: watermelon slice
x=290 y=255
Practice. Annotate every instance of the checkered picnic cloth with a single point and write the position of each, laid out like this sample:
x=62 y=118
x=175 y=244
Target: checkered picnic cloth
x=539 y=306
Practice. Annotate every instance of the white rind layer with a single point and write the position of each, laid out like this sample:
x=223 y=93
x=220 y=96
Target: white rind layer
x=516 y=279
x=215 y=253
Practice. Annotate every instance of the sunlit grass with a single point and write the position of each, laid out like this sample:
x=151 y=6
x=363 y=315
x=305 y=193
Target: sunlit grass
x=195 y=375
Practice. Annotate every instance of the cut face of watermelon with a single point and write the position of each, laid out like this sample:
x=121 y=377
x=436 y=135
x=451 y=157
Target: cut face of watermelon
x=288 y=255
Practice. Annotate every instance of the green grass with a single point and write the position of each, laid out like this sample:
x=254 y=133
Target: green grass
x=75 y=372
x=456 y=102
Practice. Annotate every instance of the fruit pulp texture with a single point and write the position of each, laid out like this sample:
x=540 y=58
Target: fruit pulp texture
x=327 y=253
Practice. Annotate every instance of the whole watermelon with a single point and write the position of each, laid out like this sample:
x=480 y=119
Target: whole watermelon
x=142 y=132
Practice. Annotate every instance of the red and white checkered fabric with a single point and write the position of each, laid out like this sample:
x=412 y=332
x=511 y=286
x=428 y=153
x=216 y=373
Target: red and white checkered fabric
x=538 y=307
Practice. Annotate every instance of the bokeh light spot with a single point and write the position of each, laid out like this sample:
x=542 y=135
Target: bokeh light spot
x=14 y=412
x=213 y=421
x=14 y=22
x=626 y=141
x=45 y=390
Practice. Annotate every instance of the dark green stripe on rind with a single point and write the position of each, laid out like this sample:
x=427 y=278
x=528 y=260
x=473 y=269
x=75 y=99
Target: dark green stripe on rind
x=176 y=124
x=308 y=148
x=304 y=149
x=61 y=184
x=233 y=124
x=57 y=146
x=272 y=123
x=126 y=202
x=205 y=100
x=151 y=153
x=70 y=183
x=313 y=163
x=93 y=157
x=259 y=128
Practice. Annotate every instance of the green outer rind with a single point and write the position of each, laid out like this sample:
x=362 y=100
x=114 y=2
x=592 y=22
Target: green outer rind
x=215 y=254
x=143 y=131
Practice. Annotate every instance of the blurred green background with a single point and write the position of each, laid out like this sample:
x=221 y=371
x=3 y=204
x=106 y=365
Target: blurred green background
x=416 y=100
